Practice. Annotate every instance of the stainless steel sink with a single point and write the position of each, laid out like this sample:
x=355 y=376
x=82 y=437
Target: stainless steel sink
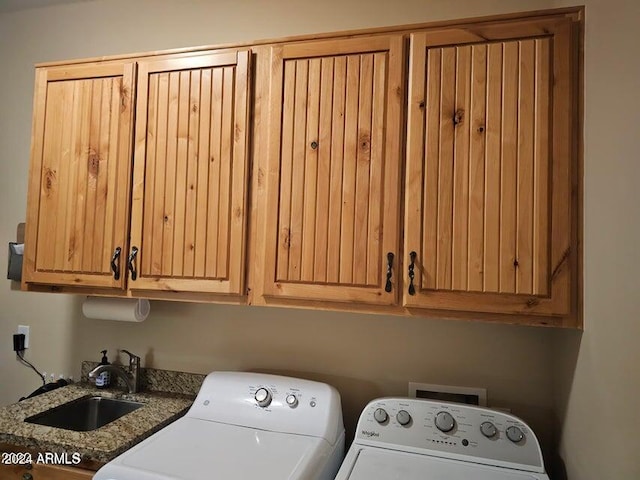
x=85 y=414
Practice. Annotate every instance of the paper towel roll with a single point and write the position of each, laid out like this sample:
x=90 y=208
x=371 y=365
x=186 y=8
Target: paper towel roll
x=122 y=309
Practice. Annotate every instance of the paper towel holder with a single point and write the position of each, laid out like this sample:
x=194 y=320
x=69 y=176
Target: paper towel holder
x=16 y=253
x=14 y=266
x=116 y=308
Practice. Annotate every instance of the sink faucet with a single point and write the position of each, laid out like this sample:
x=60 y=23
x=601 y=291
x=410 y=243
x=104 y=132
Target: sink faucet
x=131 y=376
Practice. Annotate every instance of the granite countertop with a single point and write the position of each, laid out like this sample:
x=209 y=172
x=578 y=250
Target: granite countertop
x=105 y=443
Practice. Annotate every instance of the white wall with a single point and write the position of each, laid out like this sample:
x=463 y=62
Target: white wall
x=597 y=376
x=556 y=380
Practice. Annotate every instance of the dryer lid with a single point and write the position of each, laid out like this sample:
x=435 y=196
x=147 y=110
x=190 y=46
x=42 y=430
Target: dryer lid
x=191 y=449
x=376 y=464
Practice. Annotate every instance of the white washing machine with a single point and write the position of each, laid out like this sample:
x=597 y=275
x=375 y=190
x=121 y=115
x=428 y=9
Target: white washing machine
x=241 y=426
x=409 y=439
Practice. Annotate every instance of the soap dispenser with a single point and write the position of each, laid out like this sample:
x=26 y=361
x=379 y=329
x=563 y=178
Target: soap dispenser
x=103 y=380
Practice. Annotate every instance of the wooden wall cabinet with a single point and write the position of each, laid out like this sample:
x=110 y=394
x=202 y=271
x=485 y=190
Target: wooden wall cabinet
x=181 y=201
x=188 y=220
x=415 y=170
x=78 y=206
x=333 y=200
x=489 y=198
x=489 y=203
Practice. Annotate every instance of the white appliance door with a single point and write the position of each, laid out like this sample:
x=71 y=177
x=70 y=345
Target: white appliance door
x=379 y=464
x=192 y=449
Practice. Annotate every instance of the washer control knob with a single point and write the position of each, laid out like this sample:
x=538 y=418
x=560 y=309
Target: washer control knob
x=445 y=421
x=403 y=417
x=292 y=400
x=263 y=397
x=380 y=415
x=515 y=434
x=488 y=429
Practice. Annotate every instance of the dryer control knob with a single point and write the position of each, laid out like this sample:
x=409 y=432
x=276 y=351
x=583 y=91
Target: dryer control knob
x=445 y=421
x=263 y=397
x=488 y=429
x=292 y=400
x=403 y=417
x=380 y=415
x=515 y=434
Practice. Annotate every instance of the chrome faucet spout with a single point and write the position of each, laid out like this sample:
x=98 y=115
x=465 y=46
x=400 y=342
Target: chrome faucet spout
x=130 y=378
x=134 y=369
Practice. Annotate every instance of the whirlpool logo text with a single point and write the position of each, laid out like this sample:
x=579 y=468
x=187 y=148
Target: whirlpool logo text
x=370 y=433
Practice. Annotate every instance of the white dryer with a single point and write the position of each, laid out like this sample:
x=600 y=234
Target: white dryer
x=409 y=439
x=241 y=426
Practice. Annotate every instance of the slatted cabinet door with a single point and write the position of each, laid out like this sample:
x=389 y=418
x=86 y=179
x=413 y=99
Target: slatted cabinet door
x=80 y=175
x=489 y=160
x=188 y=224
x=332 y=210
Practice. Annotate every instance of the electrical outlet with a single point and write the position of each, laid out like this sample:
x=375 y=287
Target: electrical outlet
x=24 y=329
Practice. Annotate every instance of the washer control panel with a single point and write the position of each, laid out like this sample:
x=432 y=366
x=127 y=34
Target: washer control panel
x=270 y=402
x=264 y=395
x=268 y=396
x=450 y=430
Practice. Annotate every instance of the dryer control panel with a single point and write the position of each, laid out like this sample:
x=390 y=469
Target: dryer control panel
x=450 y=430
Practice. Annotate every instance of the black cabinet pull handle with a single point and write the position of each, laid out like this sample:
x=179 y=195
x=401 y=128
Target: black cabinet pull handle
x=388 y=286
x=412 y=288
x=115 y=263
x=132 y=268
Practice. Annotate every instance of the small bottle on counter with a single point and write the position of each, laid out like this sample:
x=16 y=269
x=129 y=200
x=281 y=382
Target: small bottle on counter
x=103 y=380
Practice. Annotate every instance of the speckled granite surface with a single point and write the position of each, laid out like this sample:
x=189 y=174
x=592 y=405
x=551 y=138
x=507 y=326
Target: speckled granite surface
x=99 y=445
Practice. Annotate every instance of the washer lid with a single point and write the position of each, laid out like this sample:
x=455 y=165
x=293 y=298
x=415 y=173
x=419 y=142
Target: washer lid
x=191 y=449
x=377 y=463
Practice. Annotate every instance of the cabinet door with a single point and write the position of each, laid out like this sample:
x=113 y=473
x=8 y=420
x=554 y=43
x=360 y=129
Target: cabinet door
x=333 y=169
x=79 y=182
x=489 y=164
x=190 y=175
x=57 y=472
x=40 y=471
x=12 y=472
